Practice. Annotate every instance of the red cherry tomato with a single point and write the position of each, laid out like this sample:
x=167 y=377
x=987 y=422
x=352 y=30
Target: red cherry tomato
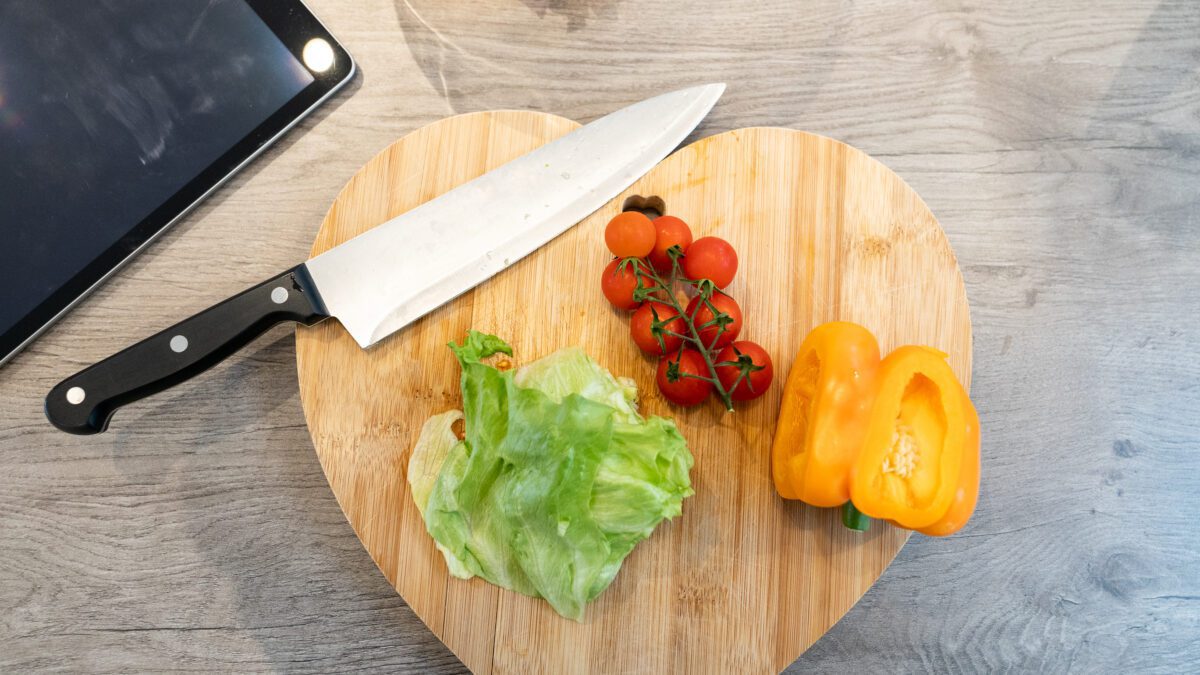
x=747 y=356
x=618 y=286
x=642 y=324
x=711 y=258
x=713 y=336
x=685 y=391
x=630 y=235
x=669 y=231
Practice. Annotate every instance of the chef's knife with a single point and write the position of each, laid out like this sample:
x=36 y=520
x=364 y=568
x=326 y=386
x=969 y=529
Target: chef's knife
x=391 y=275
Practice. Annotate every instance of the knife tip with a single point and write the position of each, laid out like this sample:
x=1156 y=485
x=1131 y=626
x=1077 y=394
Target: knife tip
x=711 y=92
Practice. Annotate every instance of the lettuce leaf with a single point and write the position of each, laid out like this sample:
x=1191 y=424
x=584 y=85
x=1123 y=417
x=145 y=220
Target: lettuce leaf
x=570 y=371
x=557 y=479
x=434 y=444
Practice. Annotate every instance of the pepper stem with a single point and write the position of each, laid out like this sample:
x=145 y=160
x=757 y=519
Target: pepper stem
x=854 y=519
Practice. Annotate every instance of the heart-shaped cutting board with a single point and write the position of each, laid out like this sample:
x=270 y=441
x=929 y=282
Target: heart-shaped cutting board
x=742 y=581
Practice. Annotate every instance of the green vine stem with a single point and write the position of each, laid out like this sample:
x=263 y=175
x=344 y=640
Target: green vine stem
x=705 y=289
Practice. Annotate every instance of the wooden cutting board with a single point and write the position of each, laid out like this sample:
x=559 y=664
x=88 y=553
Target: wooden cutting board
x=742 y=581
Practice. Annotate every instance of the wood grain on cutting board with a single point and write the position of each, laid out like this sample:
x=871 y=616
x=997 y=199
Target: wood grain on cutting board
x=742 y=580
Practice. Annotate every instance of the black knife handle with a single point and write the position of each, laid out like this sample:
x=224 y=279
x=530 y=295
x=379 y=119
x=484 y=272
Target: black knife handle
x=84 y=402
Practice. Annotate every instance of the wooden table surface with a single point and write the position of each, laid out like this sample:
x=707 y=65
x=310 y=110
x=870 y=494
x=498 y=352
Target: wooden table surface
x=1058 y=144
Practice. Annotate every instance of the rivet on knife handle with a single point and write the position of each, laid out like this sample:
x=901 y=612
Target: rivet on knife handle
x=86 y=401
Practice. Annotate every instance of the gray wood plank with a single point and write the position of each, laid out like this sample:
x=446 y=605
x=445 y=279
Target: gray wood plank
x=1056 y=142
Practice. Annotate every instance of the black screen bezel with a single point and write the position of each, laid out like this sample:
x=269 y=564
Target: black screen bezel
x=294 y=25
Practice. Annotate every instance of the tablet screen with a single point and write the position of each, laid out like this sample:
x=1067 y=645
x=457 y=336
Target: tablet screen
x=107 y=109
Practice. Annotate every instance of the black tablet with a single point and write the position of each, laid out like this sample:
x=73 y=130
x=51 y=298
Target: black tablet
x=116 y=118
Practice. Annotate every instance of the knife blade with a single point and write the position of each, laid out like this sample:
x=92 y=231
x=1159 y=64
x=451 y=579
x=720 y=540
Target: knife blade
x=493 y=220
x=492 y=224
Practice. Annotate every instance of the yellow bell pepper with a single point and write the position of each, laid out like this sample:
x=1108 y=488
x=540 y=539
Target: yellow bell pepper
x=912 y=457
x=896 y=439
x=965 y=498
x=823 y=419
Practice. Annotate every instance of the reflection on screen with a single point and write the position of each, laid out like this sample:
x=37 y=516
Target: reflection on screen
x=106 y=110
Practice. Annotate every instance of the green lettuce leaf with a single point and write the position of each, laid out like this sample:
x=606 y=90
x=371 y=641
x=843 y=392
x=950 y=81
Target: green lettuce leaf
x=570 y=371
x=435 y=442
x=556 y=480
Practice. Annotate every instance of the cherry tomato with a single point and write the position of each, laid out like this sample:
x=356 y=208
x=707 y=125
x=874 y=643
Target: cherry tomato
x=618 y=286
x=713 y=336
x=747 y=355
x=711 y=258
x=630 y=235
x=642 y=323
x=685 y=391
x=669 y=231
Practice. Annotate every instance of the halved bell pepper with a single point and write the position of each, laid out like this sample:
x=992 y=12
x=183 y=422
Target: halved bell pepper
x=914 y=465
x=825 y=413
x=963 y=504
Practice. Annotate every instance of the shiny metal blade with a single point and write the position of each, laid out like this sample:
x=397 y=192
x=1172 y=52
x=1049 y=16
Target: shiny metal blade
x=389 y=276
